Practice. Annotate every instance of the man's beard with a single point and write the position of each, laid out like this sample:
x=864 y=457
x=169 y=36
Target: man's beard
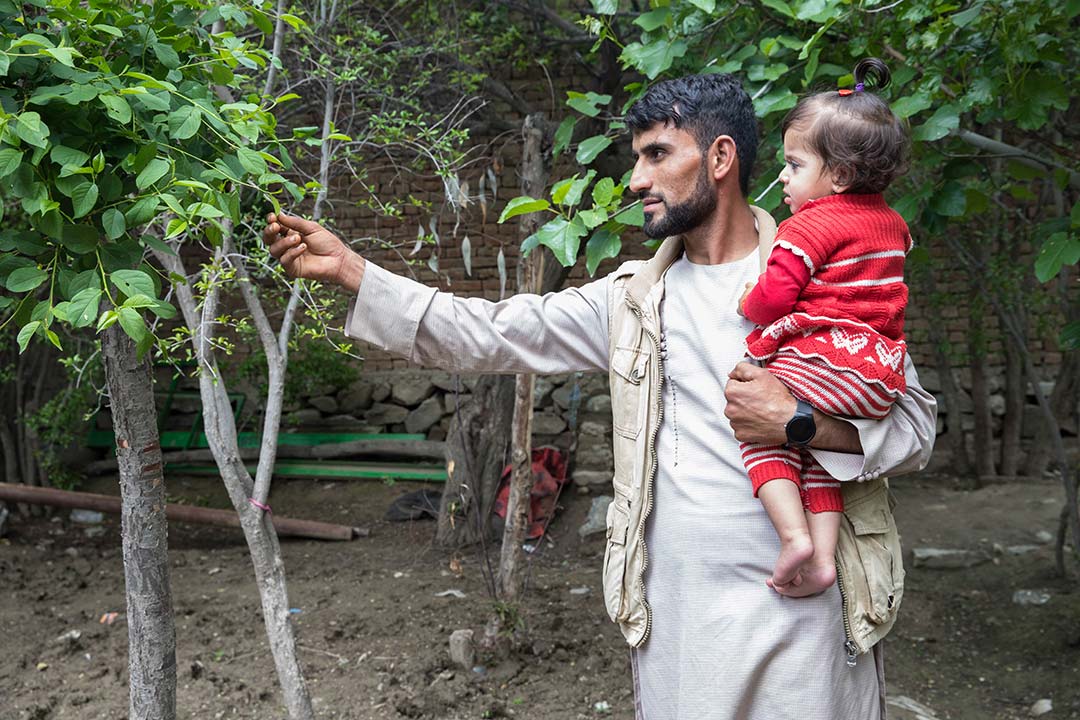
x=688 y=214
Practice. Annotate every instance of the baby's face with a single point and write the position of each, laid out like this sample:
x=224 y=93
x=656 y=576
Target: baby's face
x=804 y=176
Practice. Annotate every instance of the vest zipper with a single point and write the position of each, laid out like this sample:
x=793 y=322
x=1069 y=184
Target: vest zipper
x=652 y=470
x=849 y=645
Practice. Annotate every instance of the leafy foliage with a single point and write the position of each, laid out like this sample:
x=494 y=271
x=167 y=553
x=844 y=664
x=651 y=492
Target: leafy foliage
x=111 y=135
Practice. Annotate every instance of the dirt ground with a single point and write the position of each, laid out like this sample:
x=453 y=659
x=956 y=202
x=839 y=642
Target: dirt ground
x=373 y=631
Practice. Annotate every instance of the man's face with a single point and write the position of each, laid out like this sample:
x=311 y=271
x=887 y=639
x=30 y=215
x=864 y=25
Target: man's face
x=671 y=176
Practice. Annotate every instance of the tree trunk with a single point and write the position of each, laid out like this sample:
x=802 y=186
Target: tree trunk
x=1012 y=424
x=151 y=634
x=955 y=435
x=476 y=452
x=980 y=394
x=530 y=273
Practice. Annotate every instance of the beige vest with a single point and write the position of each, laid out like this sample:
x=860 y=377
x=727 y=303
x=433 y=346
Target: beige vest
x=868 y=557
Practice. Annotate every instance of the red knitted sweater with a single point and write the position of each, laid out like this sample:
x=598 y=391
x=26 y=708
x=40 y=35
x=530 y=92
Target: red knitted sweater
x=850 y=310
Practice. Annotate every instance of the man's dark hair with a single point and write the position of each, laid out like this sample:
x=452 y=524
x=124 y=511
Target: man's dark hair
x=706 y=106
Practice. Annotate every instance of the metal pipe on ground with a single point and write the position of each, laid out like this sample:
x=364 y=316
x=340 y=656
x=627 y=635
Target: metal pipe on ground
x=179 y=513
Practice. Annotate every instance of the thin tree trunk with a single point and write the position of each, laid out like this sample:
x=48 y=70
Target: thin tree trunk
x=476 y=452
x=980 y=395
x=1012 y=424
x=530 y=272
x=955 y=434
x=151 y=633
x=258 y=531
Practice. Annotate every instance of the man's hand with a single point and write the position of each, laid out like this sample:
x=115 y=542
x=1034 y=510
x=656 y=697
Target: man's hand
x=758 y=405
x=742 y=300
x=308 y=250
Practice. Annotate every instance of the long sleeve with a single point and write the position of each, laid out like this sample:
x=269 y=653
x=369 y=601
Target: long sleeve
x=558 y=332
x=778 y=288
x=900 y=443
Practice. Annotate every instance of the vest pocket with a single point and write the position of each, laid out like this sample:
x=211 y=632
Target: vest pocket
x=871 y=558
x=615 y=559
x=629 y=366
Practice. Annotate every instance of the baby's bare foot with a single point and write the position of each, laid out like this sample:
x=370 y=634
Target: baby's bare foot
x=794 y=551
x=816 y=578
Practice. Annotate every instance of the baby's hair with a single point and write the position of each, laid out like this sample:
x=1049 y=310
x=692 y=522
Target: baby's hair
x=858 y=138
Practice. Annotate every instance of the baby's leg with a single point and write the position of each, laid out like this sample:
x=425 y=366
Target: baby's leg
x=783 y=503
x=774 y=475
x=824 y=505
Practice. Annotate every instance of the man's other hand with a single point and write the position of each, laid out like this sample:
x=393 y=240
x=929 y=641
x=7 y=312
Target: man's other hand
x=758 y=405
x=308 y=250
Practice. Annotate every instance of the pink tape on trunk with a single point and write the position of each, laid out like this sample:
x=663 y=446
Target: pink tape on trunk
x=261 y=506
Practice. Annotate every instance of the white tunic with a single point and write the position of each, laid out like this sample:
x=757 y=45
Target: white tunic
x=723 y=645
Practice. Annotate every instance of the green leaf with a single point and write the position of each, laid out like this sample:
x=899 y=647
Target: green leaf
x=68 y=157
x=133 y=282
x=251 y=161
x=776 y=100
x=605 y=7
x=157 y=244
x=604 y=191
x=25 y=279
x=1060 y=249
x=84 y=280
x=31 y=130
x=562 y=237
x=117 y=108
x=707 y=6
x=950 y=200
x=586 y=103
x=653 y=19
x=185 y=122
x=602 y=245
x=113 y=222
x=79 y=239
x=10 y=159
x=632 y=215
x=167 y=55
x=779 y=6
x=944 y=120
x=83 y=309
x=154 y=171
x=910 y=105
x=26 y=333
x=142 y=212
x=63 y=55
x=577 y=189
x=294 y=22
x=522 y=205
x=83 y=199
x=1069 y=339
x=564 y=134
x=176 y=226
x=966 y=17
x=653 y=58
x=593 y=217
x=591 y=147
x=132 y=323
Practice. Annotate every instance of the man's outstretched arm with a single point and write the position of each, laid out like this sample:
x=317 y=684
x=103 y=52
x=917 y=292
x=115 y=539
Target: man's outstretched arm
x=559 y=332
x=759 y=406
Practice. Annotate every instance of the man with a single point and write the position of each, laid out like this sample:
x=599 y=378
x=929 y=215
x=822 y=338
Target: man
x=711 y=639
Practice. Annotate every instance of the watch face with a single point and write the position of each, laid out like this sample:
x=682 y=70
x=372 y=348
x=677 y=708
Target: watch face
x=800 y=430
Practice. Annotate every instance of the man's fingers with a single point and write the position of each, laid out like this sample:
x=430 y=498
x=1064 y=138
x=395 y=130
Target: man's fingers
x=745 y=371
x=299 y=224
x=291 y=255
x=279 y=247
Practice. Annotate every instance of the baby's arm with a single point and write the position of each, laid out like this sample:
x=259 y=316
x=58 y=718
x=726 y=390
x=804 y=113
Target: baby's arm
x=778 y=288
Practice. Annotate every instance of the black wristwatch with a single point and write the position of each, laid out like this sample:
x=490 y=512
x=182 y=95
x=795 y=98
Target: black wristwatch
x=801 y=428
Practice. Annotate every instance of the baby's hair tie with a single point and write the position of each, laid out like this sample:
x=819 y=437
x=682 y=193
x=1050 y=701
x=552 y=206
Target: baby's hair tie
x=859 y=87
x=844 y=92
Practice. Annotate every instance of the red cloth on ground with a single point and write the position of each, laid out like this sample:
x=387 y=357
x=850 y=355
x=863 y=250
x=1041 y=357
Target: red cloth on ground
x=549 y=475
x=850 y=314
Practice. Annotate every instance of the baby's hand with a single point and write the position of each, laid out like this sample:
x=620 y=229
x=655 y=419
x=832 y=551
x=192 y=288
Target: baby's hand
x=742 y=300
